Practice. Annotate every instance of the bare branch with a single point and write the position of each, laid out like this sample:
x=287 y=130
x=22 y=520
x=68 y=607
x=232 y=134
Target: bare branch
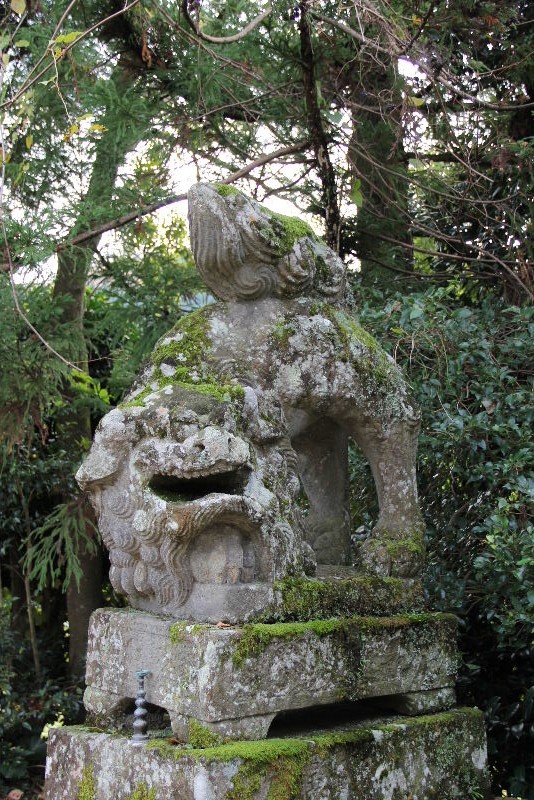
x=119 y=222
x=225 y=39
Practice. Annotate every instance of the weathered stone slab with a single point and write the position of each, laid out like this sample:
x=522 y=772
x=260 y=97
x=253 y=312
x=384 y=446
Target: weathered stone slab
x=442 y=756
x=339 y=591
x=234 y=680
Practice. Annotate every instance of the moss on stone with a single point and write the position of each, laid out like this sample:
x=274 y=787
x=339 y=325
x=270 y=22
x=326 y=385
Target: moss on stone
x=225 y=190
x=402 y=621
x=397 y=547
x=179 y=630
x=139 y=400
x=142 y=792
x=247 y=782
x=256 y=637
x=312 y=598
x=185 y=349
x=202 y=737
x=281 y=762
x=87 y=787
x=284 y=231
x=282 y=332
x=374 y=363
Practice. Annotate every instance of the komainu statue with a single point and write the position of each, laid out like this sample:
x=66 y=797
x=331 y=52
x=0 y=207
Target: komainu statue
x=226 y=467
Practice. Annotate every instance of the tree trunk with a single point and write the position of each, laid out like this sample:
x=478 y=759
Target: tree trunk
x=81 y=602
x=74 y=425
x=376 y=160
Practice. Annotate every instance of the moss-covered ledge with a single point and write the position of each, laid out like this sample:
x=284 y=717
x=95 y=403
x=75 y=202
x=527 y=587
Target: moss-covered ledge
x=255 y=637
x=432 y=757
x=319 y=598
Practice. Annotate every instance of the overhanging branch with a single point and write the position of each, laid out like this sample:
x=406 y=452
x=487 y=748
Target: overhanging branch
x=131 y=216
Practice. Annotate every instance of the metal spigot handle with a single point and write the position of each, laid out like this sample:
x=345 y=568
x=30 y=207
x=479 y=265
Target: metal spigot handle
x=140 y=724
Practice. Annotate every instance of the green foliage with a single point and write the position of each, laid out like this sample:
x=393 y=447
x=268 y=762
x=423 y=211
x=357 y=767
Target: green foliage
x=25 y=707
x=149 y=283
x=470 y=370
x=56 y=546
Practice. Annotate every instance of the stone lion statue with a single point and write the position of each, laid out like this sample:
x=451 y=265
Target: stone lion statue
x=226 y=467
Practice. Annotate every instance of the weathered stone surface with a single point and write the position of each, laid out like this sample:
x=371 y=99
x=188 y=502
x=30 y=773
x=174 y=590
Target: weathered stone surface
x=226 y=468
x=439 y=757
x=234 y=680
x=342 y=591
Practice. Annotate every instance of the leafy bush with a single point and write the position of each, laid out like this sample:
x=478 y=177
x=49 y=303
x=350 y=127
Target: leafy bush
x=25 y=708
x=470 y=369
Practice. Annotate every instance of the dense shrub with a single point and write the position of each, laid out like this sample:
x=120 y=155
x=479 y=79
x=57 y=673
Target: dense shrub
x=28 y=705
x=471 y=370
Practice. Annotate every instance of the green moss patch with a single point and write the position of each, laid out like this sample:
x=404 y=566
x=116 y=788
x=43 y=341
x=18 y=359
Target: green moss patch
x=279 y=764
x=202 y=737
x=179 y=630
x=257 y=636
x=87 y=787
x=374 y=363
x=312 y=598
x=284 y=231
x=225 y=190
x=187 y=355
x=142 y=792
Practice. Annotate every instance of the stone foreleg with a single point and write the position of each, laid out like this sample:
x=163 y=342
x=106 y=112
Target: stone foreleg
x=396 y=545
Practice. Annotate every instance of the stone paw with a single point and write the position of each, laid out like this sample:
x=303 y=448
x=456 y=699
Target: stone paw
x=399 y=558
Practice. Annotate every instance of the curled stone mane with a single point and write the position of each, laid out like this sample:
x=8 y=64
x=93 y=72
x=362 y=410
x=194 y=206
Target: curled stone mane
x=244 y=251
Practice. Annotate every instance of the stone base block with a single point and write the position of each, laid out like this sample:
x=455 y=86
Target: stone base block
x=339 y=591
x=235 y=680
x=438 y=757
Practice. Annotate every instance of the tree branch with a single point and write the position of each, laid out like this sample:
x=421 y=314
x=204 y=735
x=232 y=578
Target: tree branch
x=317 y=133
x=420 y=63
x=119 y=222
x=224 y=39
x=64 y=50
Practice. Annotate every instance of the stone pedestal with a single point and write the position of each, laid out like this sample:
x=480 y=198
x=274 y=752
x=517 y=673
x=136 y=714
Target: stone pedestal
x=442 y=756
x=341 y=708
x=233 y=681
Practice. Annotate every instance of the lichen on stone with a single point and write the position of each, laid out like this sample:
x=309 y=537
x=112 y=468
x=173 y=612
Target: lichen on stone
x=142 y=792
x=87 y=787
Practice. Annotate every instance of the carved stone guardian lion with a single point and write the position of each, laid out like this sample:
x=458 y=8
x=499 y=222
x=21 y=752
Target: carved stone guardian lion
x=242 y=416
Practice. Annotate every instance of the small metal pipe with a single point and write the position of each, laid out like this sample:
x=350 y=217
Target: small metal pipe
x=140 y=724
